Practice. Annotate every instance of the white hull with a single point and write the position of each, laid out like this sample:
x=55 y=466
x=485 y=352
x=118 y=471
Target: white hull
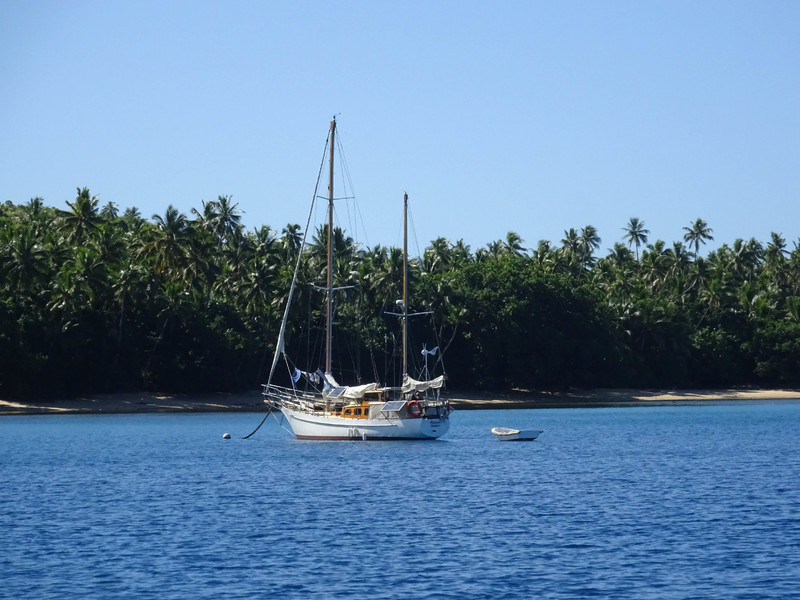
x=504 y=434
x=307 y=426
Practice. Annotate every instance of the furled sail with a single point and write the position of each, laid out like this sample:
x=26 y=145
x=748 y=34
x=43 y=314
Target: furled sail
x=357 y=391
x=412 y=385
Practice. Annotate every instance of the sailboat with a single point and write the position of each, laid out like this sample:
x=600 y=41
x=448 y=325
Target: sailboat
x=330 y=411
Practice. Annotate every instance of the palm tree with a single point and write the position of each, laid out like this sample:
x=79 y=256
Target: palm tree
x=544 y=256
x=616 y=275
x=620 y=257
x=697 y=233
x=253 y=286
x=343 y=248
x=110 y=242
x=124 y=289
x=460 y=254
x=437 y=256
x=571 y=249
x=169 y=244
x=678 y=263
x=495 y=249
x=793 y=271
x=64 y=292
x=775 y=262
x=513 y=244
x=698 y=276
x=386 y=277
x=369 y=267
x=34 y=206
x=36 y=214
x=132 y=213
x=635 y=233
x=91 y=272
x=229 y=216
x=746 y=258
x=571 y=242
x=221 y=218
x=264 y=240
x=291 y=241
x=24 y=261
x=132 y=220
x=109 y=211
x=775 y=253
x=590 y=241
x=83 y=217
x=655 y=264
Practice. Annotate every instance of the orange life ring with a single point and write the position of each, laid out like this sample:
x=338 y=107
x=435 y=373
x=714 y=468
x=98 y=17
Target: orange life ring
x=417 y=412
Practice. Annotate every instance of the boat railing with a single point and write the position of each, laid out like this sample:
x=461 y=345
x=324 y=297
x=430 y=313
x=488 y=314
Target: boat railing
x=286 y=395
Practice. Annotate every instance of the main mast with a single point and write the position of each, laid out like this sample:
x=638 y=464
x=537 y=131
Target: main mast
x=405 y=284
x=329 y=307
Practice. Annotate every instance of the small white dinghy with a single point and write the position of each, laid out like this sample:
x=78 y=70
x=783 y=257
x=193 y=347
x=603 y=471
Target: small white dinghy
x=506 y=434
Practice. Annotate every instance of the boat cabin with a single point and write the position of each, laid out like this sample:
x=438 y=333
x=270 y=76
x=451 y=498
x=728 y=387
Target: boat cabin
x=378 y=404
x=356 y=411
x=360 y=409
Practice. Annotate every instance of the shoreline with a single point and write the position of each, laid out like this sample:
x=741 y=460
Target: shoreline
x=136 y=403
x=597 y=398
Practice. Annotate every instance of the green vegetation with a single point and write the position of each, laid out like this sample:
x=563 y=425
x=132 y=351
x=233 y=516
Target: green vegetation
x=94 y=301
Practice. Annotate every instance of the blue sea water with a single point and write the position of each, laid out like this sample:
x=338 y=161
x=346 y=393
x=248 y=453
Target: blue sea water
x=658 y=502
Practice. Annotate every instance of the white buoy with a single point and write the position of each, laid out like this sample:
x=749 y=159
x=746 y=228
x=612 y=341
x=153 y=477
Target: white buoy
x=226 y=436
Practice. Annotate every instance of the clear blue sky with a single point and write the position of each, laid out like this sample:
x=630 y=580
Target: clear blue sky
x=528 y=116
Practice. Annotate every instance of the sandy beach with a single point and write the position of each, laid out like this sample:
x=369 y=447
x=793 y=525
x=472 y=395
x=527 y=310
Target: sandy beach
x=132 y=403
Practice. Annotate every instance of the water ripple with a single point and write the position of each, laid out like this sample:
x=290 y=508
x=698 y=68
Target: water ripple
x=664 y=502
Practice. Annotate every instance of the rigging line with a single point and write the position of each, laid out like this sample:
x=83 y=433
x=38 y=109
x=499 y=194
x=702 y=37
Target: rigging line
x=375 y=375
x=440 y=357
x=345 y=168
x=348 y=185
x=356 y=221
x=414 y=232
x=363 y=225
x=437 y=337
x=284 y=426
x=280 y=422
x=281 y=334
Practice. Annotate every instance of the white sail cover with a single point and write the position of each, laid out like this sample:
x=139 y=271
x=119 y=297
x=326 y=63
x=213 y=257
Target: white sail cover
x=412 y=385
x=352 y=392
x=357 y=391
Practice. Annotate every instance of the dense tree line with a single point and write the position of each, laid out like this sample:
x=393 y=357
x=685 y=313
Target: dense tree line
x=92 y=300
